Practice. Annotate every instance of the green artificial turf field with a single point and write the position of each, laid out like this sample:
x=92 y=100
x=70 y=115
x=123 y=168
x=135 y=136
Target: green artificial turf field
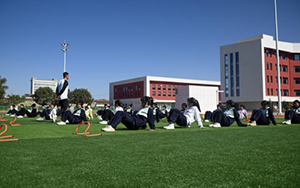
x=48 y=155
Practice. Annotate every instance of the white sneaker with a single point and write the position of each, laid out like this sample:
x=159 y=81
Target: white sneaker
x=170 y=126
x=13 y=115
x=284 y=122
x=54 y=118
x=40 y=119
x=108 y=128
x=99 y=117
x=288 y=122
x=6 y=114
x=216 y=124
x=103 y=122
x=67 y=121
x=61 y=123
x=20 y=116
x=206 y=120
x=253 y=123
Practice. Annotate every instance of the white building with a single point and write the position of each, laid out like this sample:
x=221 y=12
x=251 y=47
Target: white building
x=36 y=83
x=249 y=71
x=161 y=89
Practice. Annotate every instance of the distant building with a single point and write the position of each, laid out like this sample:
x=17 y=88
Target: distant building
x=249 y=71
x=36 y=83
x=100 y=102
x=162 y=89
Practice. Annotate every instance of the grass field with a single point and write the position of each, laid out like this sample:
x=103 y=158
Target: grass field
x=48 y=155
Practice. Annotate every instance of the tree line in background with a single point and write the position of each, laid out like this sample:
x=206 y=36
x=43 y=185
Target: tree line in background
x=43 y=95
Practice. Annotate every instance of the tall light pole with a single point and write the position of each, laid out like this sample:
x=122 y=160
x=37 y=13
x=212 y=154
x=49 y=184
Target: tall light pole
x=65 y=45
x=278 y=66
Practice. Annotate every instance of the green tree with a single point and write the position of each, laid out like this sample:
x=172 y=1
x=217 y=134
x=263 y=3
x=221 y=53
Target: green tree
x=44 y=95
x=80 y=95
x=3 y=87
x=15 y=99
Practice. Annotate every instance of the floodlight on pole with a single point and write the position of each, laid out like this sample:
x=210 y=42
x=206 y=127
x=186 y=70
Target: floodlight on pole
x=278 y=65
x=65 y=50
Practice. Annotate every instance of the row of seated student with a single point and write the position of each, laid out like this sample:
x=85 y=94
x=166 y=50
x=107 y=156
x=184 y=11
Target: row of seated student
x=22 y=112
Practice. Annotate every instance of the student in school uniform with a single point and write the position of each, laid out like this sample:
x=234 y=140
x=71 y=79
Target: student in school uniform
x=118 y=106
x=243 y=112
x=21 y=113
x=292 y=116
x=191 y=114
x=32 y=112
x=52 y=113
x=62 y=90
x=12 y=111
x=89 y=112
x=108 y=114
x=129 y=109
x=207 y=116
x=262 y=116
x=156 y=112
x=134 y=122
x=74 y=118
x=226 y=118
x=44 y=114
x=183 y=107
x=164 y=112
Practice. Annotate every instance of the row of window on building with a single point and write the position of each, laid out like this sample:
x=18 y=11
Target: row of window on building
x=283 y=80
x=283 y=68
x=163 y=87
x=282 y=55
x=284 y=92
x=127 y=88
x=233 y=76
x=129 y=94
x=170 y=94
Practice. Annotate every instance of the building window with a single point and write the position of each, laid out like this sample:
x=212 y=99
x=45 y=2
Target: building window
x=296 y=80
x=268 y=91
x=268 y=79
x=153 y=93
x=158 y=93
x=174 y=94
x=237 y=73
x=284 y=68
x=226 y=76
x=164 y=93
x=267 y=65
x=297 y=57
x=164 y=87
x=169 y=88
x=139 y=87
x=277 y=80
x=158 y=87
x=174 y=88
x=267 y=52
x=271 y=67
x=283 y=55
x=296 y=68
x=285 y=92
x=169 y=94
x=271 y=79
x=297 y=92
x=271 y=91
x=136 y=87
x=115 y=90
x=285 y=80
x=153 y=86
x=231 y=76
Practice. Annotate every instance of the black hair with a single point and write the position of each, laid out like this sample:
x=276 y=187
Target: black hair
x=130 y=105
x=243 y=106
x=86 y=107
x=89 y=104
x=65 y=74
x=264 y=103
x=296 y=101
x=164 y=106
x=14 y=106
x=230 y=103
x=184 y=104
x=43 y=105
x=146 y=100
x=154 y=104
x=81 y=103
x=119 y=103
x=33 y=105
x=195 y=102
x=105 y=105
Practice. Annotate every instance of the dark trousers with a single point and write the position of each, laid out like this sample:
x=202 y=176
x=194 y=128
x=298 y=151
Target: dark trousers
x=64 y=104
x=21 y=113
x=219 y=117
x=107 y=115
x=31 y=114
x=13 y=111
x=175 y=116
x=45 y=114
x=292 y=115
x=258 y=116
x=207 y=115
x=71 y=118
x=125 y=118
x=99 y=112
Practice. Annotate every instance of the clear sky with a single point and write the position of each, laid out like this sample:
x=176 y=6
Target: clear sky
x=113 y=40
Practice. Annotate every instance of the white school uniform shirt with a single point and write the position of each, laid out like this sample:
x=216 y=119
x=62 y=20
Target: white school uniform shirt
x=119 y=108
x=192 y=114
x=60 y=85
x=52 y=113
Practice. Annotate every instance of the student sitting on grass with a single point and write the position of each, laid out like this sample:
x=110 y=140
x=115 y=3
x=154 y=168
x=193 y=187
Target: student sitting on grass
x=207 y=116
x=21 y=113
x=164 y=112
x=293 y=115
x=108 y=114
x=242 y=112
x=262 y=116
x=89 y=112
x=183 y=107
x=156 y=112
x=191 y=114
x=129 y=109
x=226 y=118
x=134 y=122
x=75 y=117
x=13 y=111
x=219 y=107
x=32 y=112
x=52 y=114
x=44 y=114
